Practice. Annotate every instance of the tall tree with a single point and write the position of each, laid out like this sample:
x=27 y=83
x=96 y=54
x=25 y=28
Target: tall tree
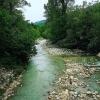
x=17 y=36
x=56 y=12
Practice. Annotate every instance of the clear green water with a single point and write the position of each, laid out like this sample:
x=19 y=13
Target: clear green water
x=41 y=72
x=92 y=82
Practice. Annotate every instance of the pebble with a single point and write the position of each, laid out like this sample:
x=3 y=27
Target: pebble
x=88 y=92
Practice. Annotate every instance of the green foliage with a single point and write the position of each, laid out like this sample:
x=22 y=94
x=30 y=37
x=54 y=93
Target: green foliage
x=40 y=23
x=17 y=36
x=41 y=29
x=75 y=27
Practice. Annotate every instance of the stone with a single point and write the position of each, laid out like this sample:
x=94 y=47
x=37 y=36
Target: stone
x=65 y=95
x=88 y=92
x=98 y=54
x=83 y=95
x=98 y=96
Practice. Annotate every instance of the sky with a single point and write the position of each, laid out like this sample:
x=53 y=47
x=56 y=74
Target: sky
x=36 y=11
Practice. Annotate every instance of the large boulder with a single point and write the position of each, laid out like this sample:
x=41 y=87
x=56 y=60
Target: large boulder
x=98 y=54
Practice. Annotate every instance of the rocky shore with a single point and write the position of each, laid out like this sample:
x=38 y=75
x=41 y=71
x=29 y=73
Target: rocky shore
x=54 y=50
x=8 y=82
x=71 y=84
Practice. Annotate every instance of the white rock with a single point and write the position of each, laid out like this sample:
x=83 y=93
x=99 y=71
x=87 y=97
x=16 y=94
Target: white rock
x=89 y=92
x=65 y=95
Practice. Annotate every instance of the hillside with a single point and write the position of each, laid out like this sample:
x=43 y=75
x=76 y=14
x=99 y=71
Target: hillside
x=40 y=23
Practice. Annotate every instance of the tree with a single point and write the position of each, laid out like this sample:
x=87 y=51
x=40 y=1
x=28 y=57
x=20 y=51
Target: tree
x=56 y=13
x=72 y=26
x=17 y=36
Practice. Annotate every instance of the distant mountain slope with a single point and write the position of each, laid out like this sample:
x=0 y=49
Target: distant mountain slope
x=40 y=23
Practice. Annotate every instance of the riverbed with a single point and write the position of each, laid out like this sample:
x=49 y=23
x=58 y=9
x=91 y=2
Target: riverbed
x=37 y=80
x=44 y=68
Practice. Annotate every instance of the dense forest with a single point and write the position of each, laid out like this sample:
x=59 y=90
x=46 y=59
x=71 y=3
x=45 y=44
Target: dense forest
x=73 y=26
x=17 y=36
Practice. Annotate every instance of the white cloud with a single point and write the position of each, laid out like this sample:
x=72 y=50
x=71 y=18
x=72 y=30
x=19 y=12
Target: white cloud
x=81 y=1
x=36 y=11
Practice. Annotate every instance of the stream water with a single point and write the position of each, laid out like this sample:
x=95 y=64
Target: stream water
x=42 y=71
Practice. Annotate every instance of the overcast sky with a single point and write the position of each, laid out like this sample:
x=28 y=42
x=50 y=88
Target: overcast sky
x=36 y=11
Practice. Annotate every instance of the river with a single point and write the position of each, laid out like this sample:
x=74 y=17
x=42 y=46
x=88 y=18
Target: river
x=42 y=71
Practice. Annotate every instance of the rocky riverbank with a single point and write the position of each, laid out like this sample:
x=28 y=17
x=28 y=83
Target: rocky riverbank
x=54 y=50
x=71 y=84
x=8 y=82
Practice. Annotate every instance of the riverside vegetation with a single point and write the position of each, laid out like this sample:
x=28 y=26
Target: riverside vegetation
x=74 y=26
